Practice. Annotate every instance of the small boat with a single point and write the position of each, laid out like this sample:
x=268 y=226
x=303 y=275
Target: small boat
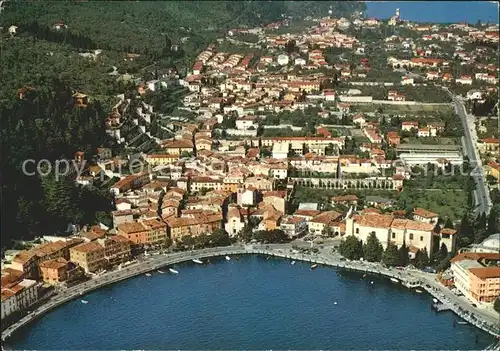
x=84 y=301
x=314 y=266
x=335 y=303
x=394 y=280
x=228 y=258
x=462 y=322
x=171 y=270
x=293 y=262
x=148 y=274
x=371 y=282
x=435 y=300
x=195 y=260
x=160 y=271
x=364 y=275
x=419 y=291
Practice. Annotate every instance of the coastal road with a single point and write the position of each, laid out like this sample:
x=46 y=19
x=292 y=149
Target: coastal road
x=481 y=194
x=325 y=256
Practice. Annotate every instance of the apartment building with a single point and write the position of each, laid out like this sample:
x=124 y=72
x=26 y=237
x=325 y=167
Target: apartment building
x=203 y=222
x=117 y=249
x=320 y=223
x=59 y=270
x=293 y=226
x=144 y=232
x=17 y=293
x=477 y=275
x=89 y=256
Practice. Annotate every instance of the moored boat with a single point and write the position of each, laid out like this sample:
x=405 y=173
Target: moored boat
x=148 y=274
x=394 y=280
x=293 y=262
x=419 y=291
x=171 y=270
x=314 y=266
x=84 y=301
x=160 y=271
x=228 y=258
x=462 y=322
x=195 y=260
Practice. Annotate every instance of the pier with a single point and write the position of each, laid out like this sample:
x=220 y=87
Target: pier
x=409 y=279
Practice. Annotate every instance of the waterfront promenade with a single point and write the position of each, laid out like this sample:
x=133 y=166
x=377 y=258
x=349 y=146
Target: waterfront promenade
x=412 y=278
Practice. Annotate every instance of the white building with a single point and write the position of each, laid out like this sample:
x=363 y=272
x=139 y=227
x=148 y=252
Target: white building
x=154 y=85
x=294 y=226
x=283 y=60
x=9 y=304
x=280 y=150
x=489 y=245
x=246 y=123
x=19 y=296
x=299 y=61
x=246 y=197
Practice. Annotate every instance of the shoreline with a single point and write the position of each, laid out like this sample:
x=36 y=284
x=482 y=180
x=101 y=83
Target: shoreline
x=156 y=262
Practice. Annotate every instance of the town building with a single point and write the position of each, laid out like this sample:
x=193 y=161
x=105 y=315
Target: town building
x=477 y=275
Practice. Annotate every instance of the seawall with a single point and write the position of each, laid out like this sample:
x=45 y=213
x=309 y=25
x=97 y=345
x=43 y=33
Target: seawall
x=156 y=262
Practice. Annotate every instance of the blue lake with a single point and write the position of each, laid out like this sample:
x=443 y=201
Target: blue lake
x=250 y=303
x=436 y=11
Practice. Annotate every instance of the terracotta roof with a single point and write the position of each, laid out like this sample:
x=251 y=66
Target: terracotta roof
x=448 y=231
x=307 y=213
x=424 y=213
x=56 y=263
x=475 y=256
x=344 y=198
x=88 y=247
x=398 y=223
x=326 y=217
x=486 y=272
x=374 y=220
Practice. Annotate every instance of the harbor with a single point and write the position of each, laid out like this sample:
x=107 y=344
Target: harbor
x=410 y=279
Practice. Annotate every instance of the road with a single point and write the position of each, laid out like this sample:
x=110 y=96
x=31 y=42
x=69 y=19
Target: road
x=481 y=194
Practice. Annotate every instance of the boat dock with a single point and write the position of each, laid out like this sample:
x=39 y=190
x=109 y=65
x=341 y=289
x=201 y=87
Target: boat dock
x=440 y=307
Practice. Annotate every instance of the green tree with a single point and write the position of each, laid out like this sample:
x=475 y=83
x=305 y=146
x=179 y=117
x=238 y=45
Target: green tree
x=390 y=256
x=496 y=305
x=220 y=238
x=445 y=263
x=442 y=253
x=465 y=232
x=494 y=219
x=449 y=224
x=372 y=249
x=351 y=248
x=246 y=234
x=275 y=236
x=403 y=255
x=421 y=259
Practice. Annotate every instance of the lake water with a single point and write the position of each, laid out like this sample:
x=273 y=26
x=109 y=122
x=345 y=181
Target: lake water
x=436 y=11
x=250 y=303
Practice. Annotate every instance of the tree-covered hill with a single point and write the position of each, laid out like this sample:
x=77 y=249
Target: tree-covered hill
x=46 y=125
x=143 y=25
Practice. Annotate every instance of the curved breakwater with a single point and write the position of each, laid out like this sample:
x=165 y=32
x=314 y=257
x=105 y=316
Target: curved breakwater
x=426 y=282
